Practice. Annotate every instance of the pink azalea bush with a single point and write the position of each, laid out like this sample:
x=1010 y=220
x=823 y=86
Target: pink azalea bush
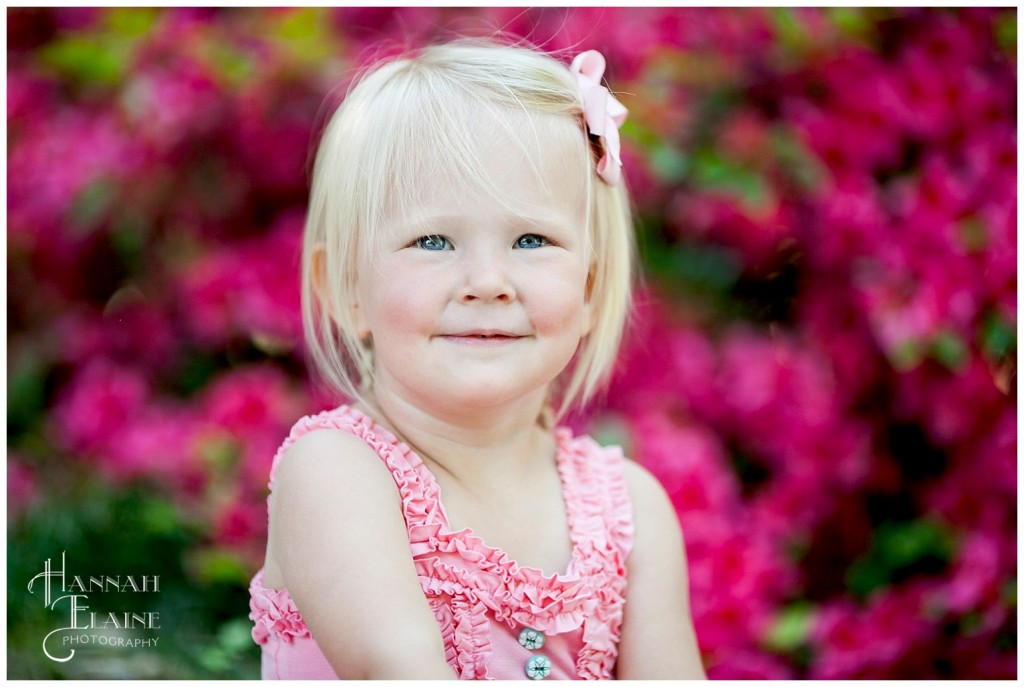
x=821 y=364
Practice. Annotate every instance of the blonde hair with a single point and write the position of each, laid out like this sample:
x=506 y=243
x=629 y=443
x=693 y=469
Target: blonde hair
x=406 y=118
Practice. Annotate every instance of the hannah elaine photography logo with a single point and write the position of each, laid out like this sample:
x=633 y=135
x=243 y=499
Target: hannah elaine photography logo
x=69 y=595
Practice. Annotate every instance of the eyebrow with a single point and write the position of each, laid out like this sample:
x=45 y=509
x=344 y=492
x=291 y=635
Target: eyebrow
x=536 y=220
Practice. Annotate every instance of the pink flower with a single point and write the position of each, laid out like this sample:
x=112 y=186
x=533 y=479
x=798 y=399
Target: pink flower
x=755 y=228
x=854 y=130
x=250 y=399
x=851 y=222
x=135 y=332
x=954 y=406
x=990 y=163
x=928 y=91
x=28 y=97
x=250 y=289
x=253 y=408
x=743 y=663
x=745 y=138
x=975 y=656
x=652 y=340
x=272 y=133
x=843 y=641
x=724 y=620
x=173 y=100
x=788 y=509
x=979 y=490
x=100 y=402
x=57 y=158
x=688 y=460
x=891 y=638
x=160 y=443
x=977 y=573
x=108 y=414
x=240 y=523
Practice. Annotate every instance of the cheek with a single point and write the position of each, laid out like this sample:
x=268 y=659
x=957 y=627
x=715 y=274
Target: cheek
x=389 y=304
x=560 y=302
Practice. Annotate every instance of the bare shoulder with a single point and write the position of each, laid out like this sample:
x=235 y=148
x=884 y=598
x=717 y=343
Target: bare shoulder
x=640 y=480
x=315 y=457
x=658 y=639
x=327 y=476
x=653 y=514
x=339 y=543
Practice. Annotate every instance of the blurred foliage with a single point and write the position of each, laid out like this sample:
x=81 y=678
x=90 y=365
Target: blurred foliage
x=821 y=367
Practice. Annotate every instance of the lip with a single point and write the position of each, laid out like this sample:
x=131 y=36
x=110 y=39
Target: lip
x=483 y=337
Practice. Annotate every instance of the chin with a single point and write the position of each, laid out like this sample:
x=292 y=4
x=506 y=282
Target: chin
x=488 y=398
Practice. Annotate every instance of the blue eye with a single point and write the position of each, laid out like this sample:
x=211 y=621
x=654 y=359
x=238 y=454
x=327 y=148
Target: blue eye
x=433 y=242
x=531 y=241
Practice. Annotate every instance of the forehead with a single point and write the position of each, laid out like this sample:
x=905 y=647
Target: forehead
x=524 y=164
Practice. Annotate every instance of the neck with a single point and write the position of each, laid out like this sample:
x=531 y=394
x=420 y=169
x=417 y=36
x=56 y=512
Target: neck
x=480 y=447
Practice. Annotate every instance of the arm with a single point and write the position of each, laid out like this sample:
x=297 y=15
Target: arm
x=658 y=640
x=339 y=540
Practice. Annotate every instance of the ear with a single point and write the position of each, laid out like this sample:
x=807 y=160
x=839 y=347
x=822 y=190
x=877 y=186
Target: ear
x=323 y=294
x=589 y=309
x=318 y=275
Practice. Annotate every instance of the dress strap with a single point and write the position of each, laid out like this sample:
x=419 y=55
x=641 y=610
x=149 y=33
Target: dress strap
x=597 y=496
x=421 y=503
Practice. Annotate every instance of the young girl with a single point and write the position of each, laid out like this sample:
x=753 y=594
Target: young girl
x=466 y=279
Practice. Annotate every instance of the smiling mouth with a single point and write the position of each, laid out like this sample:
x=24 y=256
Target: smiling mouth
x=472 y=338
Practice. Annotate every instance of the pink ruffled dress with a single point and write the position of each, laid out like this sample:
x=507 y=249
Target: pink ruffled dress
x=485 y=604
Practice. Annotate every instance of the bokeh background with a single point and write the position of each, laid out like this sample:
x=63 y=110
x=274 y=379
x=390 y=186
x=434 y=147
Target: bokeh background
x=822 y=368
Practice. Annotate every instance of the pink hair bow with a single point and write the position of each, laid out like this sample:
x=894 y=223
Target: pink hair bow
x=601 y=111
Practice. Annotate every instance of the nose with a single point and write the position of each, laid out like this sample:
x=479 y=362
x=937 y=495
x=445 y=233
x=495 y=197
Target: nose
x=487 y=280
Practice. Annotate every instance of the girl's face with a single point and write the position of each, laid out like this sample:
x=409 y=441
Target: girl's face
x=477 y=304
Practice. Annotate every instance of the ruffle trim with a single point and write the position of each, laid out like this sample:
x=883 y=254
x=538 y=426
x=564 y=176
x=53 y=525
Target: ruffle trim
x=469 y=636
x=590 y=594
x=274 y=613
x=597 y=497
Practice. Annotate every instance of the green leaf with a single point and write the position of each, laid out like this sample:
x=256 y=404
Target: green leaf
x=215 y=565
x=129 y=236
x=26 y=393
x=195 y=373
x=91 y=206
x=998 y=337
x=973 y=233
x=305 y=33
x=132 y=22
x=907 y=355
x=232 y=64
x=1006 y=32
x=699 y=268
x=220 y=453
x=950 y=349
x=159 y=517
x=898 y=547
x=791 y=628
x=794 y=159
x=710 y=170
x=791 y=31
x=214 y=659
x=669 y=164
x=1009 y=592
x=850 y=20
x=235 y=636
x=86 y=59
x=906 y=543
